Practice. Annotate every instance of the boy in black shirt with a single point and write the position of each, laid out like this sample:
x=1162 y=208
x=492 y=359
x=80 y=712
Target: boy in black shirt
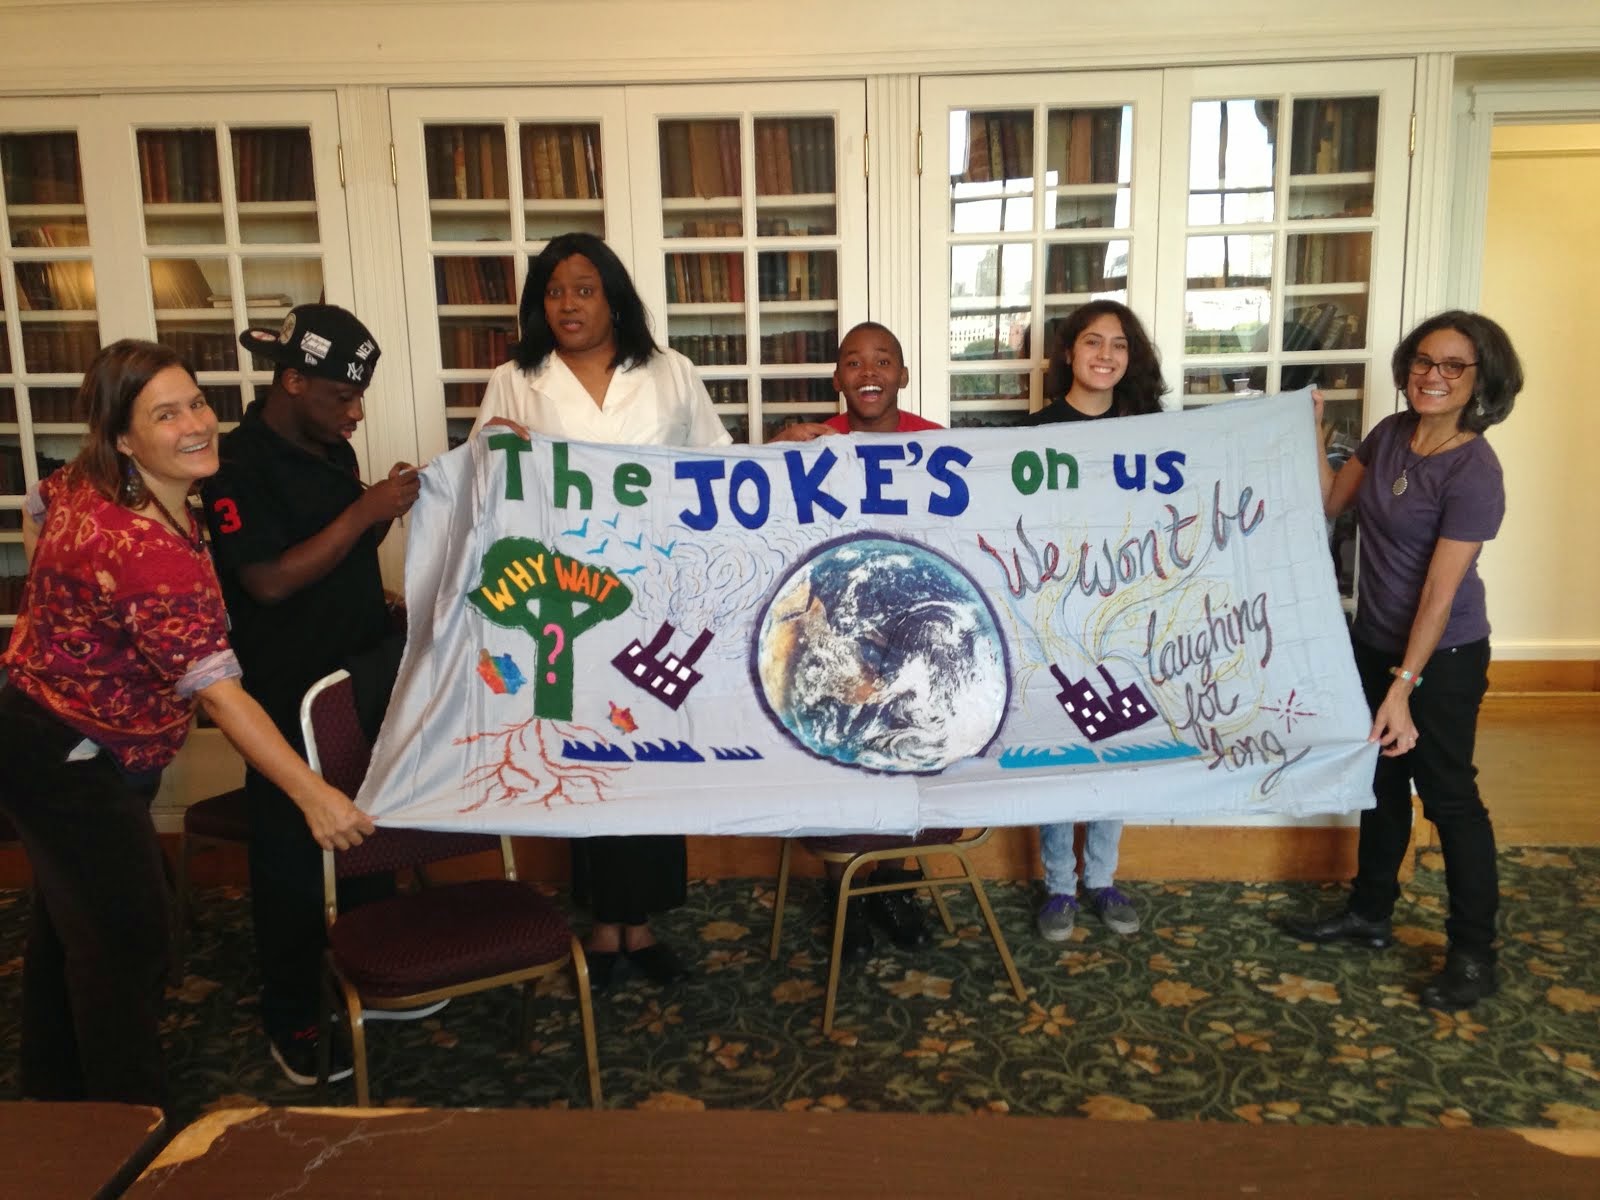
x=296 y=536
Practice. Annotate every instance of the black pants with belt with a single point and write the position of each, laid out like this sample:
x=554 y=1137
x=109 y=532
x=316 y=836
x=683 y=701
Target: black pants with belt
x=1445 y=710
x=95 y=965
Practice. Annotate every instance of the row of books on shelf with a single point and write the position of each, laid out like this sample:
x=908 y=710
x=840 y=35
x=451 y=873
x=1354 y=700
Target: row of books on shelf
x=1085 y=146
x=474 y=281
x=1325 y=326
x=468 y=347
x=273 y=164
x=705 y=278
x=207 y=349
x=797 y=275
x=11 y=592
x=999 y=146
x=40 y=168
x=710 y=349
x=466 y=162
x=799 y=391
x=59 y=348
x=1081 y=268
x=178 y=166
x=48 y=406
x=794 y=156
x=60 y=286
x=800 y=346
x=1333 y=136
x=1330 y=258
x=700 y=158
x=562 y=162
x=12 y=480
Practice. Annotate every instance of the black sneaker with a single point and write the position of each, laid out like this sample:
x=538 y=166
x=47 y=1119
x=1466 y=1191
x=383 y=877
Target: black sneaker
x=296 y=1056
x=899 y=914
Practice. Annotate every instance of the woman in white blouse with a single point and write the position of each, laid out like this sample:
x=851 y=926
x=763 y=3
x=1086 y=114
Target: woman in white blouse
x=588 y=370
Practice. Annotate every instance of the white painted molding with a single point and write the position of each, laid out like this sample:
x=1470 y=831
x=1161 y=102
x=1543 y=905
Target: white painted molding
x=1479 y=107
x=74 y=45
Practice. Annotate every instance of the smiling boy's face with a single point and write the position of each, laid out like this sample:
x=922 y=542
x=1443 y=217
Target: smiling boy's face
x=870 y=374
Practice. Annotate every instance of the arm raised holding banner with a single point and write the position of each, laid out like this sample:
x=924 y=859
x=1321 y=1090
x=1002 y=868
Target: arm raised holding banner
x=1429 y=492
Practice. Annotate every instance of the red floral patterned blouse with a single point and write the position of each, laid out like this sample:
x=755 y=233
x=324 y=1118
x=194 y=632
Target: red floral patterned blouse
x=121 y=623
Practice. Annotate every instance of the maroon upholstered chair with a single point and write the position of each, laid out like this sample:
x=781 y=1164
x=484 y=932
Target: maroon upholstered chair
x=854 y=851
x=446 y=940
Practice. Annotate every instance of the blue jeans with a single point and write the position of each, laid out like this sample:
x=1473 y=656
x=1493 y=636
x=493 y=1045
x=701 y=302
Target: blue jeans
x=1100 y=842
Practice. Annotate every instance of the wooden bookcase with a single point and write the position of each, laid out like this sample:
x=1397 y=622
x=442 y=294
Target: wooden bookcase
x=1038 y=194
x=49 y=315
x=485 y=179
x=1286 y=192
x=750 y=209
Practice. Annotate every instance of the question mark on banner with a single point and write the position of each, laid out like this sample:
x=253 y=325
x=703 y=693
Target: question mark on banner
x=561 y=640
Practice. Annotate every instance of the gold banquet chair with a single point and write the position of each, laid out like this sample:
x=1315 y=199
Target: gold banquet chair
x=854 y=851
x=445 y=940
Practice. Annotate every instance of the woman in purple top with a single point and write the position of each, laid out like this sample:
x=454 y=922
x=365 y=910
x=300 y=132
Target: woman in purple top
x=1428 y=492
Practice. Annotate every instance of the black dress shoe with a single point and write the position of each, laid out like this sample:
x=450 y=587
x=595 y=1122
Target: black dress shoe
x=1343 y=926
x=602 y=966
x=898 y=914
x=658 y=962
x=857 y=944
x=1466 y=979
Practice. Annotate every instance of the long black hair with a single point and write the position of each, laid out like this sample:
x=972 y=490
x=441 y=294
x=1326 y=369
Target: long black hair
x=634 y=343
x=1141 y=387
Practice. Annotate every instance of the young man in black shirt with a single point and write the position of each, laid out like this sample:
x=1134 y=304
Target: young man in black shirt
x=296 y=534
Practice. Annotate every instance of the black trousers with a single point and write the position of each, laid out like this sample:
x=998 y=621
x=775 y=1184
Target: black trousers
x=95 y=965
x=622 y=880
x=1445 y=709
x=286 y=905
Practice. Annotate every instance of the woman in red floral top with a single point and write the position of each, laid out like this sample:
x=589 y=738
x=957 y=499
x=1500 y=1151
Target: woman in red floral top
x=122 y=632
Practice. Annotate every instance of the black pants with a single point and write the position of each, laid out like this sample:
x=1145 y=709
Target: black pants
x=1445 y=709
x=286 y=905
x=622 y=880
x=96 y=958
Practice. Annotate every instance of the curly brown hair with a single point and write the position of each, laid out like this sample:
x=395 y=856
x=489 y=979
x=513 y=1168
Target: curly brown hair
x=1141 y=387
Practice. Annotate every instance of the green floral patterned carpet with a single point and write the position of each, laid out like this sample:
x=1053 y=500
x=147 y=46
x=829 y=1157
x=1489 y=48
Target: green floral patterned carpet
x=1209 y=1013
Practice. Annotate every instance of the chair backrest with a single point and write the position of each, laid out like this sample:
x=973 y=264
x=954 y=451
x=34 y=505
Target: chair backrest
x=338 y=750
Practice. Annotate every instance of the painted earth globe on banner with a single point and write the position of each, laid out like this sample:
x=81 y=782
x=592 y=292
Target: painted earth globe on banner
x=884 y=655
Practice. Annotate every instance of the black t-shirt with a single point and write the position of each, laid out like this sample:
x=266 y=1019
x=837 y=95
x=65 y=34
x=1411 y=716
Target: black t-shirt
x=1060 y=410
x=268 y=496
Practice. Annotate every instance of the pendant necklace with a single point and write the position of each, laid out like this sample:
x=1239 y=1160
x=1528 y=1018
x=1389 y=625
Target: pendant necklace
x=1401 y=482
x=186 y=531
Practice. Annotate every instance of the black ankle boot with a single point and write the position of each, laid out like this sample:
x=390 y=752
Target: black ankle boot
x=1466 y=979
x=1342 y=926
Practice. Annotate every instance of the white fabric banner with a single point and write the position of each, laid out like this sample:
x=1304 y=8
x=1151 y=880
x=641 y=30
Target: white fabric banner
x=1133 y=618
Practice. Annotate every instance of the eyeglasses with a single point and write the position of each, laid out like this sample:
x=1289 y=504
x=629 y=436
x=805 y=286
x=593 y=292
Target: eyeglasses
x=1451 y=368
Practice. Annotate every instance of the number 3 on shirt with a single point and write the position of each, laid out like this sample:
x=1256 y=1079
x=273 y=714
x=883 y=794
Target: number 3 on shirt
x=228 y=516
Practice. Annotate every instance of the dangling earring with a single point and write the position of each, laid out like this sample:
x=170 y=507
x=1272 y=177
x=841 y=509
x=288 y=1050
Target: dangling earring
x=1477 y=409
x=616 y=317
x=134 y=493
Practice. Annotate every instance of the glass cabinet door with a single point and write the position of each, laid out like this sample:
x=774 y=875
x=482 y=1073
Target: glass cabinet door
x=751 y=250
x=1286 y=190
x=49 y=317
x=1044 y=193
x=486 y=179
x=239 y=220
